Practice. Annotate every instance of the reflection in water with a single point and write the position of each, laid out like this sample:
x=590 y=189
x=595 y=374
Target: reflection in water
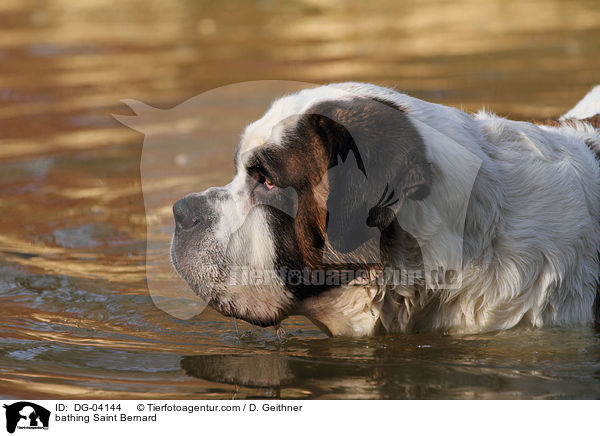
x=505 y=365
x=269 y=370
x=77 y=320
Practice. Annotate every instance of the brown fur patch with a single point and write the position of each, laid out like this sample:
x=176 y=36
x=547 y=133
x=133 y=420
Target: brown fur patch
x=546 y=122
x=594 y=121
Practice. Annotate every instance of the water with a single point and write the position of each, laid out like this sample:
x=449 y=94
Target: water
x=76 y=317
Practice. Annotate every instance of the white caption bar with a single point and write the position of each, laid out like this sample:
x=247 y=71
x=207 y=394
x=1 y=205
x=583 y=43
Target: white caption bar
x=261 y=417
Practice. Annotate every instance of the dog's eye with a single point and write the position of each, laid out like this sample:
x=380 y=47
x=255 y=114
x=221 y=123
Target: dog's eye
x=268 y=184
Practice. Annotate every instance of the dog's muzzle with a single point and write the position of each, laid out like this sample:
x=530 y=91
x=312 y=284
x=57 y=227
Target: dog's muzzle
x=196 y=254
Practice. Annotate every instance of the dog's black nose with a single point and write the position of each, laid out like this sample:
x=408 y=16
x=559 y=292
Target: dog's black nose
x=183 y=217
x=190 y=211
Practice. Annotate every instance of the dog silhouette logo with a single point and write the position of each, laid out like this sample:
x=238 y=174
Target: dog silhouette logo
x=26 y=415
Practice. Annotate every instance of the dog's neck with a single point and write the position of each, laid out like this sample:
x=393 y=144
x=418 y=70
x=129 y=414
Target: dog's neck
x=368 y=310
x=345 y=311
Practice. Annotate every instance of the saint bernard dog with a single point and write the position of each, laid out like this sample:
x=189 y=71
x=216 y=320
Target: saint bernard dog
x=371 y=212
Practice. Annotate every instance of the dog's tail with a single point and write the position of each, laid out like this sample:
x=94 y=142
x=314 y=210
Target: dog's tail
x=583 y=120
x=587 y=108
x=588 y=111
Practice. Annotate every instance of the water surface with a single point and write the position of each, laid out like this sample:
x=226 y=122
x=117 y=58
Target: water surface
x=76 y=317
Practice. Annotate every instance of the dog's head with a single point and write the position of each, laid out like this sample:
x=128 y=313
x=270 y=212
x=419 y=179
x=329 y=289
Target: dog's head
x=318 y=182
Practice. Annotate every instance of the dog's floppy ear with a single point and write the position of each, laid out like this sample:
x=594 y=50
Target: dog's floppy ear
x=377 y=159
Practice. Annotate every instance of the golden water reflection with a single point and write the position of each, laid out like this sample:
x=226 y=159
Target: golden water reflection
x=77 y=320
